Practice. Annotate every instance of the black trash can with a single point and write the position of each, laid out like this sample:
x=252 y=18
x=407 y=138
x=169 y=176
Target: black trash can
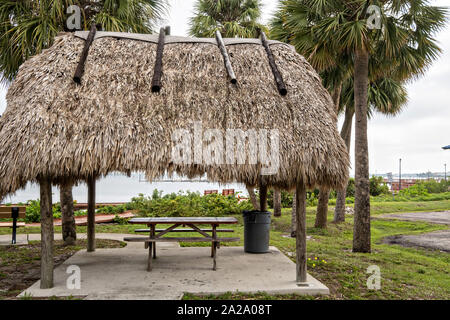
x=256 y=231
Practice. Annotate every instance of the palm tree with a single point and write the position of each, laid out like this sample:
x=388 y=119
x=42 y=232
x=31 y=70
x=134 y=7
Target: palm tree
x=386 y=96
x=276 y=202
x=233 y=18
x=29 y=26
x=320 y=30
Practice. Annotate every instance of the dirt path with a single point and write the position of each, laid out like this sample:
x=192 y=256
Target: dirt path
x=442 y=217
x=437 y=240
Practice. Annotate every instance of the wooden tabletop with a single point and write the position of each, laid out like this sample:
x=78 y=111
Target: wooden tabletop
x=183 y=220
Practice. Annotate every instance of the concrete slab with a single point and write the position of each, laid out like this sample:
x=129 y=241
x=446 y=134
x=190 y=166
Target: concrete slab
x=121 y=273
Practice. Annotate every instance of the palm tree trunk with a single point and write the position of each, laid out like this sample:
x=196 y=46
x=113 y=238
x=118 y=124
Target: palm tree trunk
x=262 y=196
x=361 y=227
x=69 y=232
x=277 y=202
x=253 y=199
x=294 y=216
x=346 y=134
x=324 y=193
x=322 y=208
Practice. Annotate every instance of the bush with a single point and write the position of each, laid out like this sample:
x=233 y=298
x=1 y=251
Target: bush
x=433 y=186
x=377 y=186
x=414 y=191
x=286 y=199
x=350 y=188
x=33 y=212
x=189 y=204
x=113 y=209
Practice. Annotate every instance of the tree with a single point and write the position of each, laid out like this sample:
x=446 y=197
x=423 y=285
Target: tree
x=29 y=26
x=386 y=96
x=294 y=216
x=403 y=36
x=253 y=198
x=277 y=202
x=233 y=18
x=69 y=232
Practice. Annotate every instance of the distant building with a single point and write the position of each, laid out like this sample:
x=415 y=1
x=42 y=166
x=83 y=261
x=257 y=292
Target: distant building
x=405 y=184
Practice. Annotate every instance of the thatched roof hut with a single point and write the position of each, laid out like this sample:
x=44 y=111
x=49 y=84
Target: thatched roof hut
x=113 y=122
x=55 y=129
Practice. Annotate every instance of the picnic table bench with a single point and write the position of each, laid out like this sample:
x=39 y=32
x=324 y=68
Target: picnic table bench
x=156 y=235
x=10 y=212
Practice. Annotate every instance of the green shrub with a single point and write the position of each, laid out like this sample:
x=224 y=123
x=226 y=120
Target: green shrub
x=120 y=220
x=112 y=209
x=350 y=188
x=286 y=199
x=377 y=186
x=33 y=212
x=414 y=191
x=189 y=204
x=433 y=186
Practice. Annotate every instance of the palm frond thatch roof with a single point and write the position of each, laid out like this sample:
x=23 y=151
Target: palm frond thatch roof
x=112 y=121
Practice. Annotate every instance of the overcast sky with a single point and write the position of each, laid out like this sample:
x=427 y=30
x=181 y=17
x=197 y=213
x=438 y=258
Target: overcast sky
x=416 y=135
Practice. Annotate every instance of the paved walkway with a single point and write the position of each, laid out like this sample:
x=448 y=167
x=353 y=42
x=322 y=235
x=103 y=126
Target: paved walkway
x=438 y=240
x=121 y=273
x=442 y=217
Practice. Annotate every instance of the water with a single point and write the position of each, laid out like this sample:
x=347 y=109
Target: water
x=121 y=188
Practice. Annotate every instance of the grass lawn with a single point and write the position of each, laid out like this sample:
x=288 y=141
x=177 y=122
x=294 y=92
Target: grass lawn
x=406 y=273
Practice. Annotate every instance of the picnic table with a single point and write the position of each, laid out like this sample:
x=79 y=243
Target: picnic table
x=193 y=224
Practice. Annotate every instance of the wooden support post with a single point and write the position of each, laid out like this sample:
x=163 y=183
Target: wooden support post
x=276 y=202
x=214 y=246
x=152 y=235
x=167 y=30
x=80 y=67
x=91 y=214
x=226 y=58
x=157 y=73
x=301 y=232
x=276 y=73
x=69 y=231
x=262 y=196
x=46 y=233
x=150 y=258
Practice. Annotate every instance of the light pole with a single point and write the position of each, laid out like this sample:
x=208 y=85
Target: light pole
x=445 y=171
x=400 y=175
